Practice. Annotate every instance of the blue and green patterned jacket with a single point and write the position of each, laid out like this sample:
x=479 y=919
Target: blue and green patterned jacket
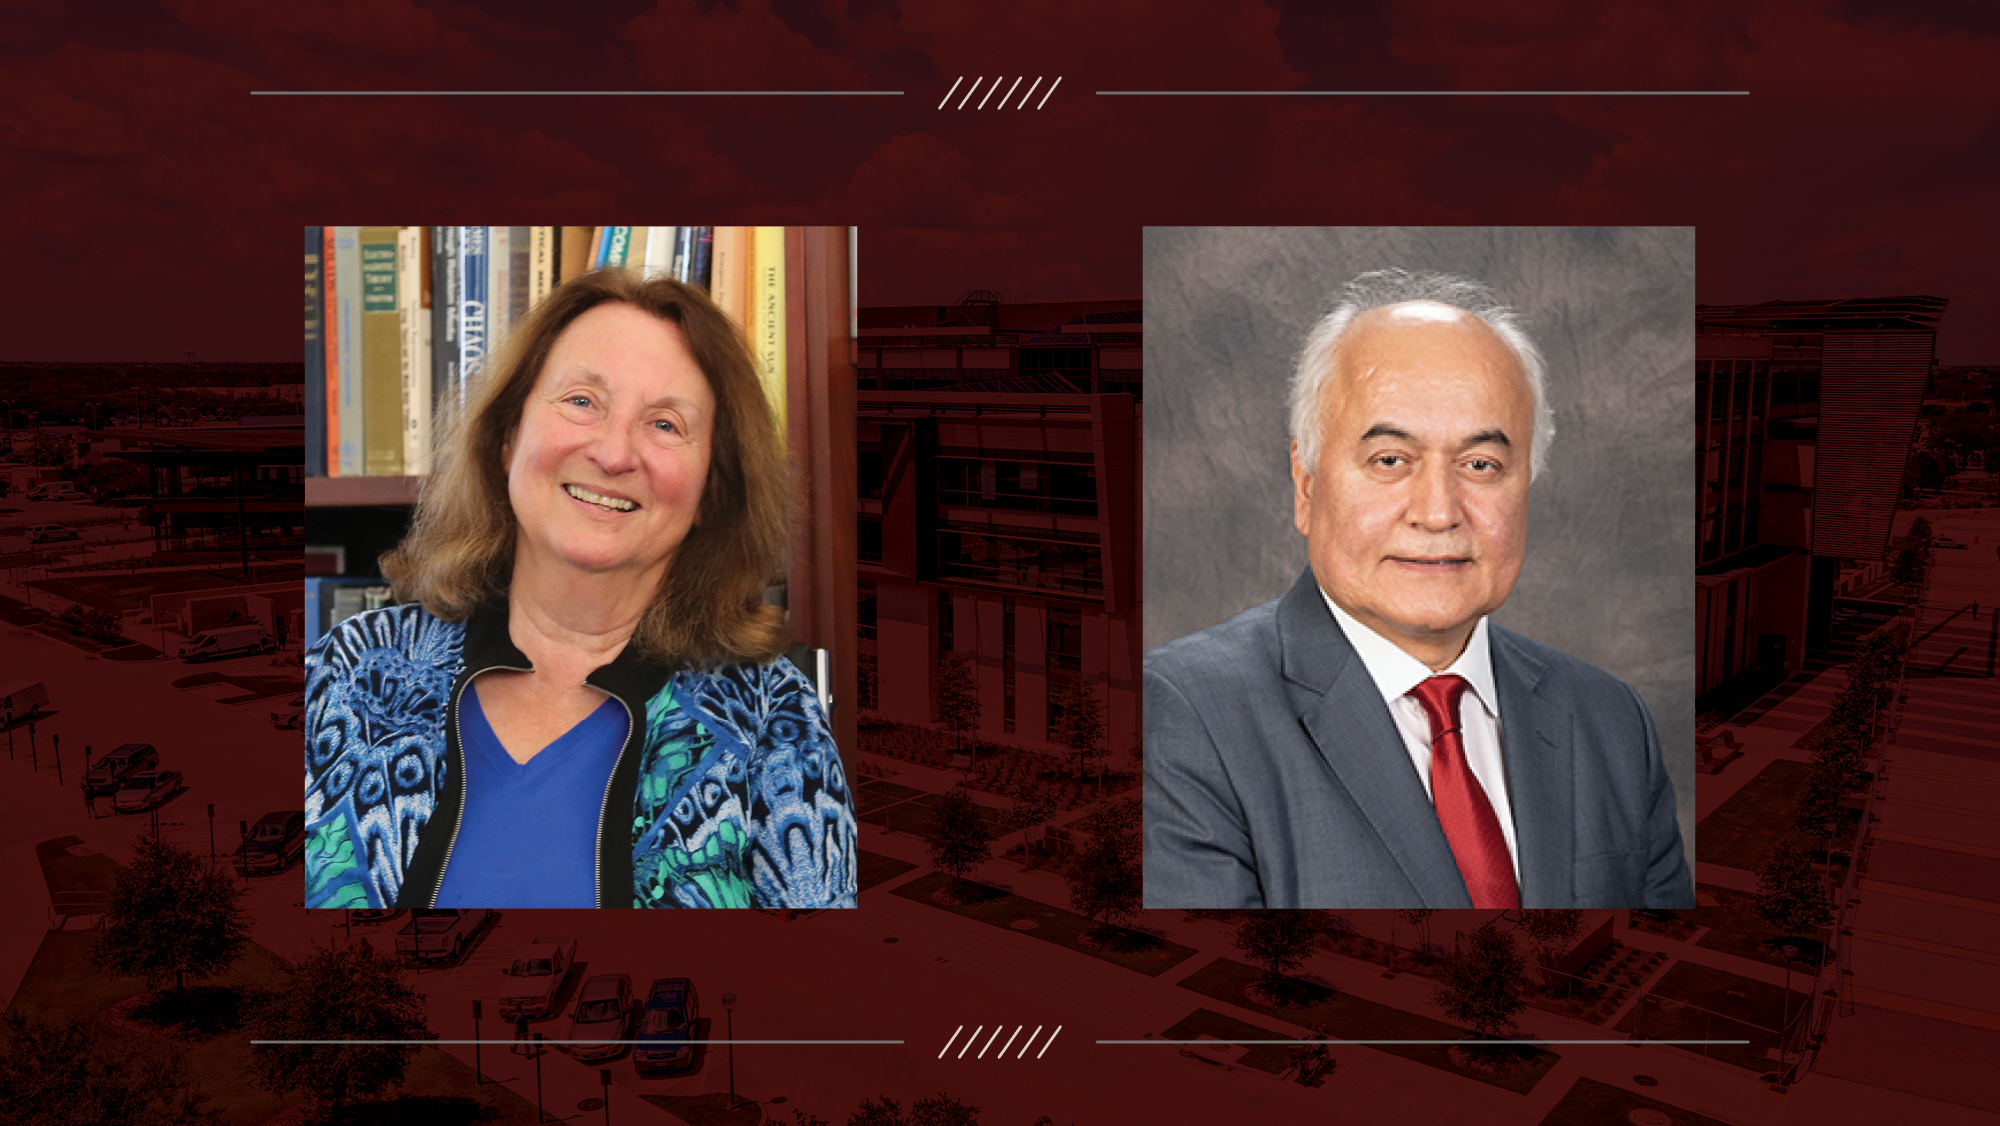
x=733 y=792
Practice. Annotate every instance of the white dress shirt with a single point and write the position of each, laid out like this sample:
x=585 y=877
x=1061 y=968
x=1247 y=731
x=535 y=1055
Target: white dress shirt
x=1395 y=673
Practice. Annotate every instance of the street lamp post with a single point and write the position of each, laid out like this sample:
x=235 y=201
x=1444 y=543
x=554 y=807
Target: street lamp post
x=729 y=1015
x=1785 y=1031
x=539 y=1117
x=604 y=1077
x=477 y=1076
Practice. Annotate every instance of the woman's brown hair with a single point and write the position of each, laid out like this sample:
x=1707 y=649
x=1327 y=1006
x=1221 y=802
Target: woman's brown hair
x=710 y=608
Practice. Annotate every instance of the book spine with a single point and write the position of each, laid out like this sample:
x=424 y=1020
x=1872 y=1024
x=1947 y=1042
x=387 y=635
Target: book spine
x=315 y=391
x=574 y=252
x=596 y=255
x=415 y=322
x=313 y=611
x=767 y=313
x=347 y=322
x=542 y=272
x=381 y=355
x=520 y=261
x=682 y=254
x=617 y=245
x=704 y=255
x=499 y=283
x=471 y=309
x=444 y=316
x=329 y=324
x=726 y=284
x=659 y=251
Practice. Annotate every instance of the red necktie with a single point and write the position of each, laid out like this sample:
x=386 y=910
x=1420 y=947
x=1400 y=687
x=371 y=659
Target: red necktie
x=1462 y=809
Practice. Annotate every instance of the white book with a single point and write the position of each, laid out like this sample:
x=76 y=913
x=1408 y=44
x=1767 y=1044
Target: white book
x=543 y=264
x=411 y=248
x=659 y=252
x=499 y=262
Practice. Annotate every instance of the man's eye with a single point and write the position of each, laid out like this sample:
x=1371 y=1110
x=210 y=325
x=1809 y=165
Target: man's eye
x=1390 y=461
x=1483 y=465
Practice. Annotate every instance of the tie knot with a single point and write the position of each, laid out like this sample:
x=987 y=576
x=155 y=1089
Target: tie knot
x=1439 y=696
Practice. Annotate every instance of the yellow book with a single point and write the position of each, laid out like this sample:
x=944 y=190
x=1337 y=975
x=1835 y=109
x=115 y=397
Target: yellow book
x=767 y=313
x=575 y=252
x=381 y=356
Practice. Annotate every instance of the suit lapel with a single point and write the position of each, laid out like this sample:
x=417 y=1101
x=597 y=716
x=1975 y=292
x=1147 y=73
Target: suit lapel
x=1535 y=738
x=1342 y=712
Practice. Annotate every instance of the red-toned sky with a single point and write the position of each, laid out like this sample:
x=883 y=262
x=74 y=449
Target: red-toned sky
x=153 y=204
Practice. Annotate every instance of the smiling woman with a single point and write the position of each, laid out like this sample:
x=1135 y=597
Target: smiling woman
x=579 y=702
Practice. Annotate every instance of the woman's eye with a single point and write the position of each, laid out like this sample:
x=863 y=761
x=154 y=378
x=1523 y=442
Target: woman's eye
x=666 y=426
x=578 y=400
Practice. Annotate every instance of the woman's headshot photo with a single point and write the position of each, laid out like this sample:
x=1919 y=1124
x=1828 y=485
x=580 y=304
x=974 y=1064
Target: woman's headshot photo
x=576 y=696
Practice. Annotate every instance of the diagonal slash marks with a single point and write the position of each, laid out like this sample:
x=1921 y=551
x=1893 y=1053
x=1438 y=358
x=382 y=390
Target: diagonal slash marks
x=997 y=1030
x=1004 y=98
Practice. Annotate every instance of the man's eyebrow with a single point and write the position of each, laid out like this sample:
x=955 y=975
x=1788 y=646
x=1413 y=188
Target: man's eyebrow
x=1391 y=430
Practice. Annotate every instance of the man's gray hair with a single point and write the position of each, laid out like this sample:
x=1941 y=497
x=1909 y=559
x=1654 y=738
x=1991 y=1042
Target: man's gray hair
x=1378 y=288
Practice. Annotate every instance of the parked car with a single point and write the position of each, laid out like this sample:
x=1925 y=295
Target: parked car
x=602 y=1021
x=274 y=842
x=441 y=933
x=537 y=975
x=55 y=490
x=1947 y=541
x=667 y=1026
x=47 y=533
x=23 y=698
x=146 y=789
x=108 y=774
x=227 y=641
x=291 y=714
x=371 y=915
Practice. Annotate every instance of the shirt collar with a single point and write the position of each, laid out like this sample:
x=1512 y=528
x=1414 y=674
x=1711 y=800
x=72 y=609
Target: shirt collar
x=1396 y=672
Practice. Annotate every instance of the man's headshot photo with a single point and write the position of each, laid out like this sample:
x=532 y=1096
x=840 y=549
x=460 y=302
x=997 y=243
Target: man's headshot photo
x=1418 y=544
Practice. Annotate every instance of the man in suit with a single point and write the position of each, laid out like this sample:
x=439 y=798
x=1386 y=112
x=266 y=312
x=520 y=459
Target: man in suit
x=1369 y=739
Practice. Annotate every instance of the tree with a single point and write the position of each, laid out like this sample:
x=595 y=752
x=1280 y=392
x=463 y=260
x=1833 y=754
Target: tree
x=1280 y=941
x=1034 y=804
x=938 y=1110
x=334 y=993
x=1104 y=881
x=1079 y=723
x=1484 y=984
x=115 y=477
x=1789 y=896
x=1137 y=751
x=171 y=914
x=955 y=698
x=1821 y=798
x=1909 y=567
x=51 y=449
x=955 y=835
x=1420 y=918
x=66 y=1075
x=1554 y=931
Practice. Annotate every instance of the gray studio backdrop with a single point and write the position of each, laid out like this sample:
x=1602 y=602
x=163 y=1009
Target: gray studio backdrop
x=1609 y=569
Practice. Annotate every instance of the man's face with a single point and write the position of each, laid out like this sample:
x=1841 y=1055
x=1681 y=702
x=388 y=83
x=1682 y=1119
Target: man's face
x=1416 y=515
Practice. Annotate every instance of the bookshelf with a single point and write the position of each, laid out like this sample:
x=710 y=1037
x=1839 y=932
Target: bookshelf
x=809 y=341
x=334 y=492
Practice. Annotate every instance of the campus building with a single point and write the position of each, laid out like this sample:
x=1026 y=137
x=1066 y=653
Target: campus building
x=1805 y=414
x=211 y=484
x=998 y=480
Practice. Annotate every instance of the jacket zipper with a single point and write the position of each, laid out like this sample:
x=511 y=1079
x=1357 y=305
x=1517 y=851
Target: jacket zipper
x=604 y=807
x=458 y=727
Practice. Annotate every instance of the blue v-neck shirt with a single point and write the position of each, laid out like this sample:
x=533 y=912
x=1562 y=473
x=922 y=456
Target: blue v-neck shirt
x=528 y=837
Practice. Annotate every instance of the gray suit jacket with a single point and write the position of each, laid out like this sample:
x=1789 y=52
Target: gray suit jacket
x=1275 y=777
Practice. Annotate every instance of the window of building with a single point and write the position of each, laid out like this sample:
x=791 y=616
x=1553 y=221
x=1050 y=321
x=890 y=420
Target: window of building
x=1007 y=628
x=1065 y=634
x=864 y=614
x=946 y=642
x=868 y=537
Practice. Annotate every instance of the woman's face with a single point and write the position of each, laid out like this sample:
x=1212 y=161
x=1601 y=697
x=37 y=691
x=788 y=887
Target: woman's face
x=606 y=470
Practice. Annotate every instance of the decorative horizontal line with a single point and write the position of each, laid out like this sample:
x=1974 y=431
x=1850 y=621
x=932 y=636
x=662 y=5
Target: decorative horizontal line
x=578 y=93
x=1425 y=93
x=1463 y=1043
x=510 y=1043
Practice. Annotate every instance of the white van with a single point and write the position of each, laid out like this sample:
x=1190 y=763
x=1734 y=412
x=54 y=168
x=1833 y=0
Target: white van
x=43 y=533
x=54 y=490
x=23 y=698
x=226 y=641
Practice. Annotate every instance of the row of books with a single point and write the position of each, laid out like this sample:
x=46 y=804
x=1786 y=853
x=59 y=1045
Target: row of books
x=399 y=320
